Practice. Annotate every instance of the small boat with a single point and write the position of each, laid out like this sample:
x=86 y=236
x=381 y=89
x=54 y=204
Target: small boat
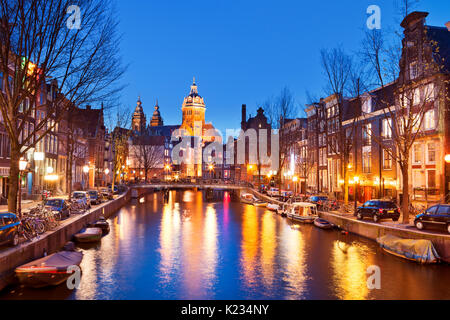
x=273 y=207
x=89 y=235
x=260 y=203
x=419 y=250
x=248 y=198
x=51 y=270
x=102 y=224
x=304 y=212
x=322 y=223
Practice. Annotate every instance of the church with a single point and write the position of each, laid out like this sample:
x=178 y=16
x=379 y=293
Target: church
x=193 y=124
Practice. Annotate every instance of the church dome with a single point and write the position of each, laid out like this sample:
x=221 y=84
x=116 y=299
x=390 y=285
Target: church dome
x=194 y=99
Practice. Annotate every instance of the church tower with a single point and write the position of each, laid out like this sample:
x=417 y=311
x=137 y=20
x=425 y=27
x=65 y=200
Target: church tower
x=138 y=120
x=193 y=109
x=157 y=120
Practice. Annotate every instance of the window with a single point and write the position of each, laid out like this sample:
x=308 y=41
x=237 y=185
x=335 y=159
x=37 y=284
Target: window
x=416 y=97
x=413 y=70
x=428 y=92
x=387 y=160
x=366 y=131
x=432 y=210
x=429 y=121
x=366 y=159
x=431 y=154
x=386 y=128
x=367 y=105
x=443 y=209
x=417 y=154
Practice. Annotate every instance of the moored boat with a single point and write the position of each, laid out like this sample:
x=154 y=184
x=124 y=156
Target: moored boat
x=51 y=270
x=303 y=212
x=248 y=198
x=102 y=224
x=273 y=207
x=260 y=203
x=419 y=250
x=322 y=223
x=89 y=235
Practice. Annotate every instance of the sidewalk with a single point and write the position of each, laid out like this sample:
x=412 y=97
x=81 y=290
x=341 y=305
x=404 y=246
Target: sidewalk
x=27 y=204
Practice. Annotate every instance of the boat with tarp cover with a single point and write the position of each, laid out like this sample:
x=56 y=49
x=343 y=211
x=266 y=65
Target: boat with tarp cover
x=89 y=235
x=51 y=270
x=419 y=250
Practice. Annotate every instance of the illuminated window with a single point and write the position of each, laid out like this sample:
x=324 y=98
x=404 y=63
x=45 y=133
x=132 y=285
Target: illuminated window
x=387 y=128
x=431 y=153
x=429 y=121
x=417 y=154
x=387 y=160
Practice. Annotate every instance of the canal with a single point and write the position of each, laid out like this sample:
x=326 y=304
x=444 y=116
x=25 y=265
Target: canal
x=190 y=248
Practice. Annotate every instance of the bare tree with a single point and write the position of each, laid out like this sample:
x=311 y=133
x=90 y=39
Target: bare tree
x=344 y=76
x=41 y=41
x=148 y=153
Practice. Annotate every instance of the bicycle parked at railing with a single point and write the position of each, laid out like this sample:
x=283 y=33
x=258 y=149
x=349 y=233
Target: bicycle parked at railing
x=26 y=231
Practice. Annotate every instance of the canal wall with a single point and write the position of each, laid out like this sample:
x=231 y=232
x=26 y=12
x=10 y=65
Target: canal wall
x=53 y=241
x=373 y=231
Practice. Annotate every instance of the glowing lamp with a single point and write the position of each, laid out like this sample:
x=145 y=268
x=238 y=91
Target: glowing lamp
x=447 y=158
x=22 y=164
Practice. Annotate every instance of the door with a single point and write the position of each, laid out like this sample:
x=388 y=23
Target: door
x=430 y=215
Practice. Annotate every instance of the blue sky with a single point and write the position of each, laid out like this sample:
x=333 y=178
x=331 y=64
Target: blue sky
x=239 y=51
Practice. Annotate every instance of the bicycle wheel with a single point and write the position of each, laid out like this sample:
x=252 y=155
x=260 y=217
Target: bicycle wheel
x=39 y=227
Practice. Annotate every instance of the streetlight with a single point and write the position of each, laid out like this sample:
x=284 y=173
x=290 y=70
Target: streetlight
x=211 y=168
x=22 y=167
x=447 y=158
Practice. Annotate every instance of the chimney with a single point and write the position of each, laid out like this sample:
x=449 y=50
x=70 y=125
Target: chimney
x=244 y=113
x=448 y=25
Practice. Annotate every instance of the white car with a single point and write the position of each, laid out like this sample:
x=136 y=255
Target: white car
x=82 y=197
x=272 y=192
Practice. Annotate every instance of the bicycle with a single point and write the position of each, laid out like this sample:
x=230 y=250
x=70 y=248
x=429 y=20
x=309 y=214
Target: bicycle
x=26 y=231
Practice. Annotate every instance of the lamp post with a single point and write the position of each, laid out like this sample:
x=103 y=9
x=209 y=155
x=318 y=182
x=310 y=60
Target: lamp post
x=86 y=173
x=22 y=166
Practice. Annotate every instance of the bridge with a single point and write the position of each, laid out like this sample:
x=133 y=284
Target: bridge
x=237 y=188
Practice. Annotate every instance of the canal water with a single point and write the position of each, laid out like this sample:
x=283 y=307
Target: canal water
x=190 y=248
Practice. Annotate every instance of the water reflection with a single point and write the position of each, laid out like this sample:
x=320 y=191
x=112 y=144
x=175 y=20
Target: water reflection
x=186 y=248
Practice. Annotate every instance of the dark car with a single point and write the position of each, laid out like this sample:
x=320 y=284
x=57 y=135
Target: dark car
x=377 y=210
x=59 y=206
x=9 y=229
x=107 y=194
x=95 y=197
x=435 y=216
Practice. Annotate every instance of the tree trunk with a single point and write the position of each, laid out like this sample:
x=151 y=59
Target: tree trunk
x=13 y=179
x=405 y=200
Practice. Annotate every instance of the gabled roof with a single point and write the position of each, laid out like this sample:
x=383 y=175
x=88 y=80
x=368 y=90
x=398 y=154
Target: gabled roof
x=442 y=38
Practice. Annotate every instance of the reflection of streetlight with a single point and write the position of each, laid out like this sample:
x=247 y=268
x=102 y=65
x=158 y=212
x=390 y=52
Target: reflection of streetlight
x=295 y=179
x=22 y=167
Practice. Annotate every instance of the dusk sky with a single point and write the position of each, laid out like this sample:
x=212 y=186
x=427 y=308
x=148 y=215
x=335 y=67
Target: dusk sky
x=238 y=51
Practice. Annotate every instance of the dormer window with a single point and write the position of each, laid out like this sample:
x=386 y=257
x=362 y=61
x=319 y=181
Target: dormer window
x=367 y=104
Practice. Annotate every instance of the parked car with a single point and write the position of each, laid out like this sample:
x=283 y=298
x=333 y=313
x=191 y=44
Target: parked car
x=377 y=210
x=435 y=216
x=116 y=190
x=95 y=197
x=9 y=229
x=82 y=197
x=107 y=194
x=273 y=192
x=59 y=206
